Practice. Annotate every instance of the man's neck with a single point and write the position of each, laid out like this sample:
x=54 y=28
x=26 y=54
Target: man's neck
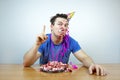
x=56 y=39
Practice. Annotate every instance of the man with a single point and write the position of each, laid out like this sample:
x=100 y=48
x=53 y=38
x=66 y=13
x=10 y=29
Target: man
x=58 y=45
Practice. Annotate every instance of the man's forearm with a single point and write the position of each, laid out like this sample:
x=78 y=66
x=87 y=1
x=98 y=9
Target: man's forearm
x=87 y=61
x=84 y=58
x=31 y=56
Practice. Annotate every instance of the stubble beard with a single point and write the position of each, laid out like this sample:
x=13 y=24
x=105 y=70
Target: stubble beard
x=59 y=37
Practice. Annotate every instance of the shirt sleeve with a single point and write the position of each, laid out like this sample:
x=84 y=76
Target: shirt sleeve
x=40 y=49
x=74 y=46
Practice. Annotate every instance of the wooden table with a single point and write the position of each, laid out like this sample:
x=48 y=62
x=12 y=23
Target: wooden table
x=18 y=72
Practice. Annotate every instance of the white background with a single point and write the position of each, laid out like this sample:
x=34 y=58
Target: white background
x=95 y=25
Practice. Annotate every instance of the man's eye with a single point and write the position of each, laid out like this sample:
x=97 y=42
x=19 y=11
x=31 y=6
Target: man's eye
x=66 y=25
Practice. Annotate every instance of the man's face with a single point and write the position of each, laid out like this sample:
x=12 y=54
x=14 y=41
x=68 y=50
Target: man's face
x=60 y=26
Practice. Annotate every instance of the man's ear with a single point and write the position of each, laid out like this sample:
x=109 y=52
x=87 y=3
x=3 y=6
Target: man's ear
x=51 y=26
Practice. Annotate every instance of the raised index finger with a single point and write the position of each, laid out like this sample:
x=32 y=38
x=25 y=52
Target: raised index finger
x=44 y=29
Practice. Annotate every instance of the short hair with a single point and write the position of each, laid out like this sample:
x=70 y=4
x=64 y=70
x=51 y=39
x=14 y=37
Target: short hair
x=52 y=20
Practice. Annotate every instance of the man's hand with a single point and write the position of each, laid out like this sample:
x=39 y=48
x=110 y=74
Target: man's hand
x=41 y=38
x=99 y=70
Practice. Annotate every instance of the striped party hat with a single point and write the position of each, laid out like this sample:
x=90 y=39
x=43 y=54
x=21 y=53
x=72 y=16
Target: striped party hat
x=70 y=15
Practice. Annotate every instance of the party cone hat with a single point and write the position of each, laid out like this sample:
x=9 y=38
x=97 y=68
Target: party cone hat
x=70 y=15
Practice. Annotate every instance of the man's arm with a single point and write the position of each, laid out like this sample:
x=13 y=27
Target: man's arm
x=89 y=63
x=31 y=56
x=84 y=58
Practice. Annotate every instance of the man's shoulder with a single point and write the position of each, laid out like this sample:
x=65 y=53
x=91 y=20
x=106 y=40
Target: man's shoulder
x=71 y=38
x=48 y=35
x=47 y=41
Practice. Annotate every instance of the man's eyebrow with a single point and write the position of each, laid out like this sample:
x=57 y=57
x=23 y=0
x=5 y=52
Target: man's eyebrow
x=60 y=21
